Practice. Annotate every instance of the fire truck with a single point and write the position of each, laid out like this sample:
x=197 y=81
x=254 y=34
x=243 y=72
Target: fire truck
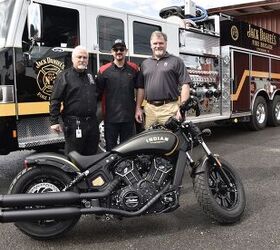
x=234 y=66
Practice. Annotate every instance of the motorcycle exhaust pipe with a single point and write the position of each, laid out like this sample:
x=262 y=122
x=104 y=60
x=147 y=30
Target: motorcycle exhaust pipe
x=43 y=199
x=52 y=198
x=69 y=212
x=39 y=214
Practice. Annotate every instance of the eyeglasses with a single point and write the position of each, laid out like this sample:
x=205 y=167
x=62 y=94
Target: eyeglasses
x=119 y=49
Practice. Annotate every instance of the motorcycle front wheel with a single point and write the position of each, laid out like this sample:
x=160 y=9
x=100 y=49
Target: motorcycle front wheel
x=40 y=180
x=223 y=202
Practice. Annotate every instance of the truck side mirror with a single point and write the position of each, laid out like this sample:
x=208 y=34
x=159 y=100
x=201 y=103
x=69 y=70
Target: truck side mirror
x=34 y=22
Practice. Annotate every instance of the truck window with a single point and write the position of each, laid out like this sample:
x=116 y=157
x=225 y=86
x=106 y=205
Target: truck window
x=109 y=29
x=60 y=27
x=141 y=37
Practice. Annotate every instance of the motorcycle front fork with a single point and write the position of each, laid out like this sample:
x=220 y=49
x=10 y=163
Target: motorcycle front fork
x=214 y=161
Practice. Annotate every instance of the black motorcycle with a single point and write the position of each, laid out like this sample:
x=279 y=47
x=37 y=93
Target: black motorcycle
x=140 y=176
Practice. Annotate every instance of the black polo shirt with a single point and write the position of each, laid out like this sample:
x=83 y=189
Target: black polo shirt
x=162 y=78
x=117 y=86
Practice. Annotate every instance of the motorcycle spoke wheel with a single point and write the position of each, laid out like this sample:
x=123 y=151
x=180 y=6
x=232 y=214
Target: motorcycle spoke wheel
x=221 y=201
x=41 y=180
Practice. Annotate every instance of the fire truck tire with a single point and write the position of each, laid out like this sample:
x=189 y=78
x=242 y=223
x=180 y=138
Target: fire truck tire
x=274 y=112
x=259 y=116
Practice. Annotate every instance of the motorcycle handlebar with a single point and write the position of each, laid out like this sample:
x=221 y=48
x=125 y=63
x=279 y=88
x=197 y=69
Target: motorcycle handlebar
x=191 y=103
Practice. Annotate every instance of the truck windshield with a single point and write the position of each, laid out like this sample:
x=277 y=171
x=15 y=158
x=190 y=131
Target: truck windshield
x=6 y=11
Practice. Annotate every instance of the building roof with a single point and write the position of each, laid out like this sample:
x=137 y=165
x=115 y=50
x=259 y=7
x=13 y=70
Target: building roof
x=247 y=8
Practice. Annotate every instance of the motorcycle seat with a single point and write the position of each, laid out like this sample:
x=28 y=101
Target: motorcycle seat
x=83 y=162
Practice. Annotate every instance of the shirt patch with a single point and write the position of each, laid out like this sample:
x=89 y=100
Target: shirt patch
x=165 y=64
x=90 y=78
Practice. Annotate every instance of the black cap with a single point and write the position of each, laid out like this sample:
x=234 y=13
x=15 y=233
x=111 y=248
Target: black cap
x=118 y=42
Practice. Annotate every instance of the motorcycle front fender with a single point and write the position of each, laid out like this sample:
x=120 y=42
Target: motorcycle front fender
x=52 y=159
x=201 y=165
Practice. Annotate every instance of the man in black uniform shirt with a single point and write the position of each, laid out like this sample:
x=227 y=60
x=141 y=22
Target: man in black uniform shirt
x=116 y=81
x=76 y=89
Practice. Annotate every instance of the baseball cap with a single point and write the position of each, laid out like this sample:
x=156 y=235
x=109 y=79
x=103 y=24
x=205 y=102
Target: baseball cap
x=119 y=42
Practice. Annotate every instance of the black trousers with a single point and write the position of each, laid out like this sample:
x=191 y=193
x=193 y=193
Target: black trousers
x=123 y=130
x=88 y=143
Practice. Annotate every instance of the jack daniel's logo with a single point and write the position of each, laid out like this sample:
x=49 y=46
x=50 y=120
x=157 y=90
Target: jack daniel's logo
x=48 y=70
x=157 y=139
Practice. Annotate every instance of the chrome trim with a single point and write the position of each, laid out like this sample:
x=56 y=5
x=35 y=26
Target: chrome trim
x=7 y=94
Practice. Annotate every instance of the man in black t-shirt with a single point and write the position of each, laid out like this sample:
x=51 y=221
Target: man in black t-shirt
x=116 y=81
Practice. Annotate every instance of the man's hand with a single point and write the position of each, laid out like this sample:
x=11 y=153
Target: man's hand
x=139 y=115
x=57 y=128
x=178 y=115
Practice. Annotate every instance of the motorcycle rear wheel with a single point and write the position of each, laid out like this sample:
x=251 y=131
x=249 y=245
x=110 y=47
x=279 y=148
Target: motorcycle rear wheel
x=40 y=180
x=218 y=200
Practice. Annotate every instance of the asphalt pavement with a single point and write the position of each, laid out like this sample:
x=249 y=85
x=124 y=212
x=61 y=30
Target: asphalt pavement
x=255 y=155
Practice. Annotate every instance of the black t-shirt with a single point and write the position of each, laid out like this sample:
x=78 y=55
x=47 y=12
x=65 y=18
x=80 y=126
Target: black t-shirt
x=117 y=86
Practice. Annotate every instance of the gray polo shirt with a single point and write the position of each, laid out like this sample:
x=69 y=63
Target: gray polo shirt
x=162 y=78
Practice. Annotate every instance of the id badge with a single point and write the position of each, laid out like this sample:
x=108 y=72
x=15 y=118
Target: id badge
x=78 y=133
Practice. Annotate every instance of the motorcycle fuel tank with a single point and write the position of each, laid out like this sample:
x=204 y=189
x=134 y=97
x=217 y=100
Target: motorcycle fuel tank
x=151 y=141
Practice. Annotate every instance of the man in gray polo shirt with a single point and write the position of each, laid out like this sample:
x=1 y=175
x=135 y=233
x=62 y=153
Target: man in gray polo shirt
x=159 y=81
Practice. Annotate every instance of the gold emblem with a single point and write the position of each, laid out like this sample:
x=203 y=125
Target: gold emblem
x=48 y=70
x=234 y=33
x=98 y=182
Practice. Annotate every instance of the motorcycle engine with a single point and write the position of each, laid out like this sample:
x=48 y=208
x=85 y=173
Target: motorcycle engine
x=143 y=177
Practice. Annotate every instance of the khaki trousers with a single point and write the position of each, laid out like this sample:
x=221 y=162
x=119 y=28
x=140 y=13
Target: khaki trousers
x=159 y=114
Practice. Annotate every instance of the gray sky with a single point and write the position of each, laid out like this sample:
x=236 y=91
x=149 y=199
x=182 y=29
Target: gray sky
x=152 y=8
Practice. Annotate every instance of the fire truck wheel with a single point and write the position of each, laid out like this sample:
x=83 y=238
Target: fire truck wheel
x=274 y=112
x=259 y=116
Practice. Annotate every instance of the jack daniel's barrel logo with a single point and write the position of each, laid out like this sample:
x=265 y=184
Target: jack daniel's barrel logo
x=48 y=69
x=234 y=33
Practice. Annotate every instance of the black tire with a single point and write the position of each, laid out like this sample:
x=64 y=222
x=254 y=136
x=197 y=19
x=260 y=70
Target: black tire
x=259 y=116
x=40 y=180
x=222 y=203
x=274 y=112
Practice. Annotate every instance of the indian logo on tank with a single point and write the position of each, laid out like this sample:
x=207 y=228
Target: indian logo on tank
x=157 y=139
x=48 y=70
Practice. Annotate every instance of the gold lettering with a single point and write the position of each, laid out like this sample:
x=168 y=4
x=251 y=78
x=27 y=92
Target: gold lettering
x=253 y=33
x=44 y=97
x=267 y=37
x=49 y=60
x=40 y=63
x=255 y=43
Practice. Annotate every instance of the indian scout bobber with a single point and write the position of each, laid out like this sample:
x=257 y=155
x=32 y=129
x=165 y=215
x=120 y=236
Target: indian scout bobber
x=140 y=176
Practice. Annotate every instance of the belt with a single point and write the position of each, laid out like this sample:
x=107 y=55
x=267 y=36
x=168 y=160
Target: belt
x=79 y=118
x=162 y=102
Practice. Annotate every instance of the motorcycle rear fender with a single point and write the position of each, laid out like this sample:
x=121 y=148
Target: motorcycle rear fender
x=52 y=159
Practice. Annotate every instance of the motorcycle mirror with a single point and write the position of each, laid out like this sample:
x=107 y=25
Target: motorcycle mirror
x=206 y=132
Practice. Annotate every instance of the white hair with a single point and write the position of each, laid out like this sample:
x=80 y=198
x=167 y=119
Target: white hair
x=78 y=48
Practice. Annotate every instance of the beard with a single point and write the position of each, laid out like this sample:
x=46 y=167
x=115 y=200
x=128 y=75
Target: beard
x=82 y=66
x=159 y=53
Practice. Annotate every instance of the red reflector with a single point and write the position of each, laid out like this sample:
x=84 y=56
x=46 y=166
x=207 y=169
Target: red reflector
x=25 y=164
